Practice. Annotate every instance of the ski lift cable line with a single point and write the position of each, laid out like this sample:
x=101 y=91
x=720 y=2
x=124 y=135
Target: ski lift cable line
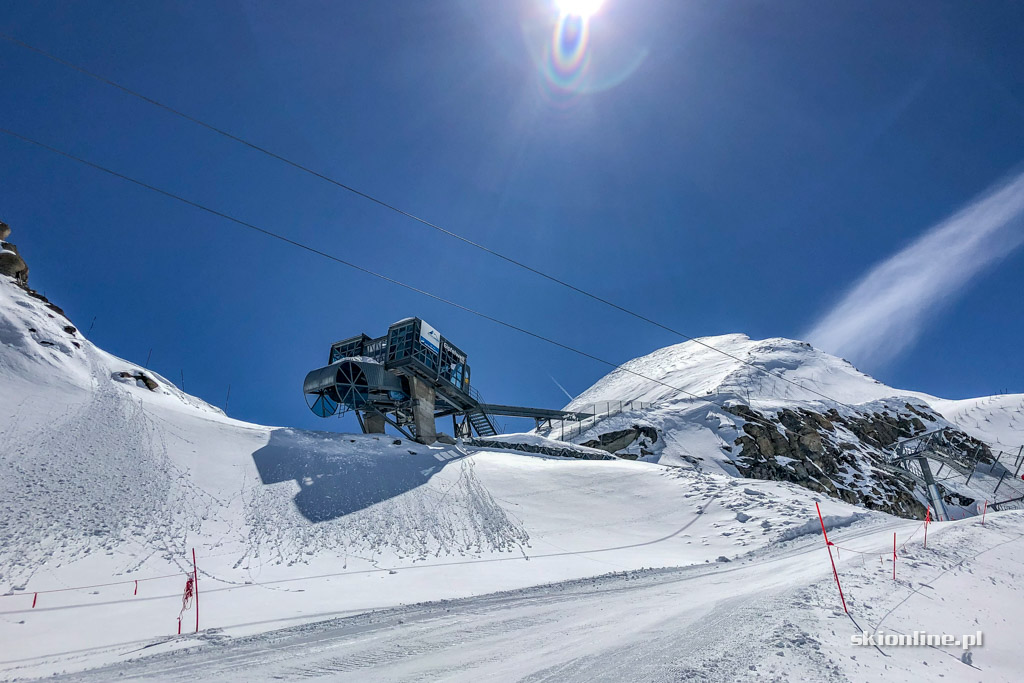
x=407 y=214
x=367 y=271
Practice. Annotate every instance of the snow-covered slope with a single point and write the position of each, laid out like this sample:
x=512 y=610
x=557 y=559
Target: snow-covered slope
x=799 y=374
x=996 y=420
x=771 y=617
x=109 y=474
x=781 y=409
x=702 y=368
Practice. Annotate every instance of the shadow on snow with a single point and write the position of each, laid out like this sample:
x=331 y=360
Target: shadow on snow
x=339 y=475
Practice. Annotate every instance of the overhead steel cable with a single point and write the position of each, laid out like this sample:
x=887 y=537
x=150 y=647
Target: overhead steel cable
x=367 y=271
x=407 y=214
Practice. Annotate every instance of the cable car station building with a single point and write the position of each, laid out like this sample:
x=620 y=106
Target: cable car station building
x=408 y=378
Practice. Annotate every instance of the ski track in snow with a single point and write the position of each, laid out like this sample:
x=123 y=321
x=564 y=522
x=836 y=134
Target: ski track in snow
x=97 y=476
x=429 y=521
x=773 y=616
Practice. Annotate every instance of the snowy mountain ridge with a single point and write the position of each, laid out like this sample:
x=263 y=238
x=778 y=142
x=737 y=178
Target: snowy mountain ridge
x=781 y=409
x=785 y=372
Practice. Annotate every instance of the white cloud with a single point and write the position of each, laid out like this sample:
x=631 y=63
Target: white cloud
x=887 y=310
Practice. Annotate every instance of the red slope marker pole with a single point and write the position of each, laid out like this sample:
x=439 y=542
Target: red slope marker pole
x=828 y=544
x=927 y=518
x=195 y=582
x=984 y=510
x=136 y=587
x=894 y=556
x=34 y=598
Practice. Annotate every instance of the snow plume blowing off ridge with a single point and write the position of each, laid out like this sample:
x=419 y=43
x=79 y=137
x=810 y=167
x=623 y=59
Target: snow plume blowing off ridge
x=887 y=309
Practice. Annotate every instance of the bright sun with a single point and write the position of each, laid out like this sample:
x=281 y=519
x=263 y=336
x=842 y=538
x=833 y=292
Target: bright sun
x=579 y=8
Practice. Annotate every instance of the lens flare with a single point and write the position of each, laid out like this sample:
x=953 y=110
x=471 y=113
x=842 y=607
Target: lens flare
x=561 y=40
x=568 y=54
x=579 y=8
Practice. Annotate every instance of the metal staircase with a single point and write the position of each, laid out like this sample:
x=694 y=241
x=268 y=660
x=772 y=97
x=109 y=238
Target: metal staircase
x=481 y=422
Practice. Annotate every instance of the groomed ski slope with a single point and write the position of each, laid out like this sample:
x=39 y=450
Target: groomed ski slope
x=772 y=616
x=105 y=481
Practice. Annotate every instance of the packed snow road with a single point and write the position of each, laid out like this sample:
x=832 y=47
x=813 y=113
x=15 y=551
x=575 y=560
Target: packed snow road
x=773 y=616
x=638 y=625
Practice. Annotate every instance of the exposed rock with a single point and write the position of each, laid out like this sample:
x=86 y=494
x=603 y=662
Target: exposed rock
x=957 y=499
x=923 y=412
x=616 y=441
x=810 y=449
x=140 y=378
x=12 y=264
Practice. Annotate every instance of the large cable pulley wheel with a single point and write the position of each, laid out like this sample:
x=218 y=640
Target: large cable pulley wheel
x=352 y=385
x=322 y=405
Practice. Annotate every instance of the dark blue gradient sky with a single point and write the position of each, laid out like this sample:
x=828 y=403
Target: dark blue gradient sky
x=726 y=167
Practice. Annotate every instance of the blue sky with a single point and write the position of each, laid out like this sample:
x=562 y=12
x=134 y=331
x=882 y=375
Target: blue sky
x=720 y=167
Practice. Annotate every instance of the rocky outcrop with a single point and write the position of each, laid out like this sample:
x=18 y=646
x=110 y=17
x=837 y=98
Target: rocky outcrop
x=618 y=441
x=13 y=265
x=825 y=452
x=11 y=262
x=139 y=377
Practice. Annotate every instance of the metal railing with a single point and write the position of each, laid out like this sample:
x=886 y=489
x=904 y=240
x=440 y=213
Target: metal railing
x=1012 y=486
x=567 y=430
x=478 y=397
x=958 y=458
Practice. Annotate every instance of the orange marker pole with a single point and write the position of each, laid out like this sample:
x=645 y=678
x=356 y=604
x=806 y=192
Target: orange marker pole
x=195 y=582
x=828 y=544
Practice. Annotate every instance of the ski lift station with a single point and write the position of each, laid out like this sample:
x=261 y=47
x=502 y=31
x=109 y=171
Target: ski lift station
x=408 y=378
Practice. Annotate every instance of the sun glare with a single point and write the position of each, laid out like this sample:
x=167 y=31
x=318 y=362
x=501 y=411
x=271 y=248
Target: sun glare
x=579 y=8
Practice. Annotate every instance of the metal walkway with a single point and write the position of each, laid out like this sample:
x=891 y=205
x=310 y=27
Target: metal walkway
x=535 y=413
x=479 y=416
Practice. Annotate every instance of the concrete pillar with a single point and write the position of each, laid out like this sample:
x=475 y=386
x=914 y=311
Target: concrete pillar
x=423 y=410
x=373 y=423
